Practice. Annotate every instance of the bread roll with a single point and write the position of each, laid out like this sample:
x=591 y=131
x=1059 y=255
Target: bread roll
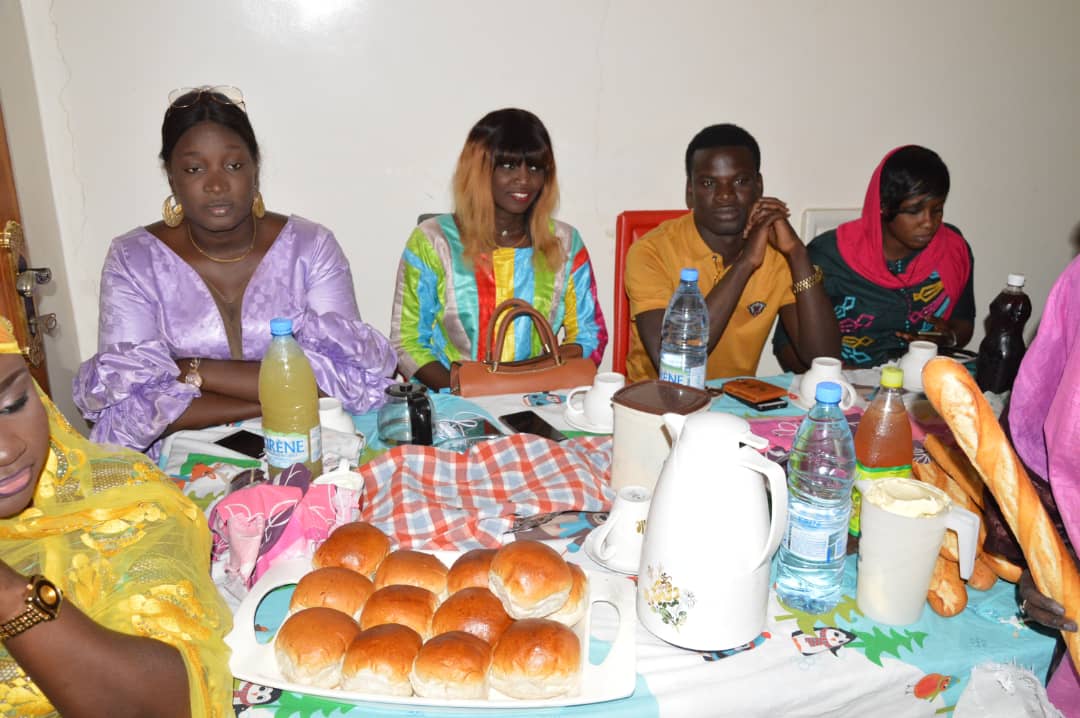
x=536 y=658
x=358 y=546
x=452 y=665
x=577 y=602
x=332 y=587
x=311 y=644
x=379 y=660
x=977 y=431
x=530 y=578
x=470 y=569
x=412 y=568
x=410 y=606
x=947 y=594
x=472 y=610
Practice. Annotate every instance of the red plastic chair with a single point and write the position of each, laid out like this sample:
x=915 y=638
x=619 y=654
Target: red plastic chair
x=630 y=226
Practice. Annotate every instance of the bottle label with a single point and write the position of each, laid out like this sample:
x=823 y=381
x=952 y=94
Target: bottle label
x=673 y=368
x=315 y=439
x=871 y=473
x=283 y=449
x=814 y=543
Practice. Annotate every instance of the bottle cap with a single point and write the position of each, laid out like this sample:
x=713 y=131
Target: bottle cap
x=1016 y=280
x=688 y=274
x=280 y=327
x=892 y=377
x=828 y=392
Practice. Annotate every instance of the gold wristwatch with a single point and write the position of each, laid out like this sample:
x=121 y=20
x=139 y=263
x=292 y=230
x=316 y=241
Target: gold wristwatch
x=43 y=600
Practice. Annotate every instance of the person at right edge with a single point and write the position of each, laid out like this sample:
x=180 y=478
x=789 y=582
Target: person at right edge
x=751 y=265
x=1044 y=424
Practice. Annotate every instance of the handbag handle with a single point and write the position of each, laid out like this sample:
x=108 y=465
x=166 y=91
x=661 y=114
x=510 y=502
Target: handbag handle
x=504 y=316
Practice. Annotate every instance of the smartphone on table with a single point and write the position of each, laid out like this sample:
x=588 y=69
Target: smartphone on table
x=757 y=394
x=244 y=442
x=529 y=422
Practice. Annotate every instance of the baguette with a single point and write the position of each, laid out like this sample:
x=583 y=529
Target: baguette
x=947 y=594
x=958 y=467
x=1004 y=568
x=958 y=399
x=982 y=576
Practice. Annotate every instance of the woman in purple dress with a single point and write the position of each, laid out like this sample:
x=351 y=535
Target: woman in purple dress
x=186 y=302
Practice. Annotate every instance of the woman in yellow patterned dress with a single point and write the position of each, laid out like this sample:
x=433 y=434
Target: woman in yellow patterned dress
x=106 y=602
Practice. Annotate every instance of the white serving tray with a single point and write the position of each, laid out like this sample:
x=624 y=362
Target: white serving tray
x=614 y=678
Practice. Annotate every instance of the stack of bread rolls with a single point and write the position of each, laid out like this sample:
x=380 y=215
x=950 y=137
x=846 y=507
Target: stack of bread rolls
x=957 y=398
x=401 y=623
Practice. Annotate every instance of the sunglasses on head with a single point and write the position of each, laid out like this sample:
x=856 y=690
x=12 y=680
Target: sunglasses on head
x=222 y=94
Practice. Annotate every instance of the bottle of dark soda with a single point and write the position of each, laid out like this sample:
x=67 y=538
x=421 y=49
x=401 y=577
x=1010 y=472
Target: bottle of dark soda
x=1003 y=346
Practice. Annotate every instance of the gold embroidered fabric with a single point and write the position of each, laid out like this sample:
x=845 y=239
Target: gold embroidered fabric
x=131 y=551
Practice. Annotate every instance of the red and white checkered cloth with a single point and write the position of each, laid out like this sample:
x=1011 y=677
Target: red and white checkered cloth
x=426 y=497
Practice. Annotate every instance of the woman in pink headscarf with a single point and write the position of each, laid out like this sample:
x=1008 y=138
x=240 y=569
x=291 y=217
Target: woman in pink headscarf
x=898 y=272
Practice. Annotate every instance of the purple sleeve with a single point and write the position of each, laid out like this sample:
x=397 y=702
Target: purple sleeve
x=352 y=361
x=129 y=389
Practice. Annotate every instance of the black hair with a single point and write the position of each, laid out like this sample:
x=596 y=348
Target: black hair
x=514 y=135
x=725 y=135
x=204 y=106
x=911 y=171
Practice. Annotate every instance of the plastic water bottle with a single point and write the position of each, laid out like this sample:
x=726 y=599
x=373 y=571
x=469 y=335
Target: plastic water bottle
x=821 y=471
x=290 y=404
x=1003 y=346
x=684 y=338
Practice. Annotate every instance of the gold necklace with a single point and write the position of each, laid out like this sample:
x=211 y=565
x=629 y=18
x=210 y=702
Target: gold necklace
x=517 y=244
x=230 y=260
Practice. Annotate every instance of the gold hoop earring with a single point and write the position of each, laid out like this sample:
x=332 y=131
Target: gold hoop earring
x=257 y=207
x=172 y=212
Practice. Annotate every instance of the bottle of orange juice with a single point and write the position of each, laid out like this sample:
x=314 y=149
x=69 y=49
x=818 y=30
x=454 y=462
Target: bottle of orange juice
x=290 y=404
x=883 y=446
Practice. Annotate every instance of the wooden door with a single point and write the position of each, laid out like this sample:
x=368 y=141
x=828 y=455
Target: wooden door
x=17 y=277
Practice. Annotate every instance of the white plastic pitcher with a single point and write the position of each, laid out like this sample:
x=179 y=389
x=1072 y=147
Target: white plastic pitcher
x=897 y=552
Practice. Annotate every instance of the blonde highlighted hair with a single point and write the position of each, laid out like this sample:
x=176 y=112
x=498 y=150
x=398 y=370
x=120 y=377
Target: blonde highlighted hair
x=514 y=135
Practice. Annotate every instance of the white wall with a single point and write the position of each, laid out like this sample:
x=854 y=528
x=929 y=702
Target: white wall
x=362 y=106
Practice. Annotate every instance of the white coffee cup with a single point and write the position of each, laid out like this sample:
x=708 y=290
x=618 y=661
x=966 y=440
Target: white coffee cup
x=596 y=404
x=332 y=415
x=903 y=523
x=919 y=352
x=825 y=369
x=618 y=541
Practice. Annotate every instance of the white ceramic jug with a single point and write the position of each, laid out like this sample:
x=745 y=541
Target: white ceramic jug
x=703 y=582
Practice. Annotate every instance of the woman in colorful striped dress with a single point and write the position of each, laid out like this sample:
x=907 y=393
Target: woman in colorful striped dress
x=500 y=243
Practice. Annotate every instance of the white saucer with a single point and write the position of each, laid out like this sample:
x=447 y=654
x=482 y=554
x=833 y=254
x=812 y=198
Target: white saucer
x=576 y=419
x=590 y=547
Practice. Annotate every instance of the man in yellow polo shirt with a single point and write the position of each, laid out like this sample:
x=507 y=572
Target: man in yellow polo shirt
x=751 y=265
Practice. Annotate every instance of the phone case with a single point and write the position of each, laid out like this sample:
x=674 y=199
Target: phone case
x=754 y=391
x=768 y=405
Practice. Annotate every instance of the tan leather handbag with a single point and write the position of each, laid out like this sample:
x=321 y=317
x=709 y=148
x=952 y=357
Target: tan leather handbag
x=554 y=369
